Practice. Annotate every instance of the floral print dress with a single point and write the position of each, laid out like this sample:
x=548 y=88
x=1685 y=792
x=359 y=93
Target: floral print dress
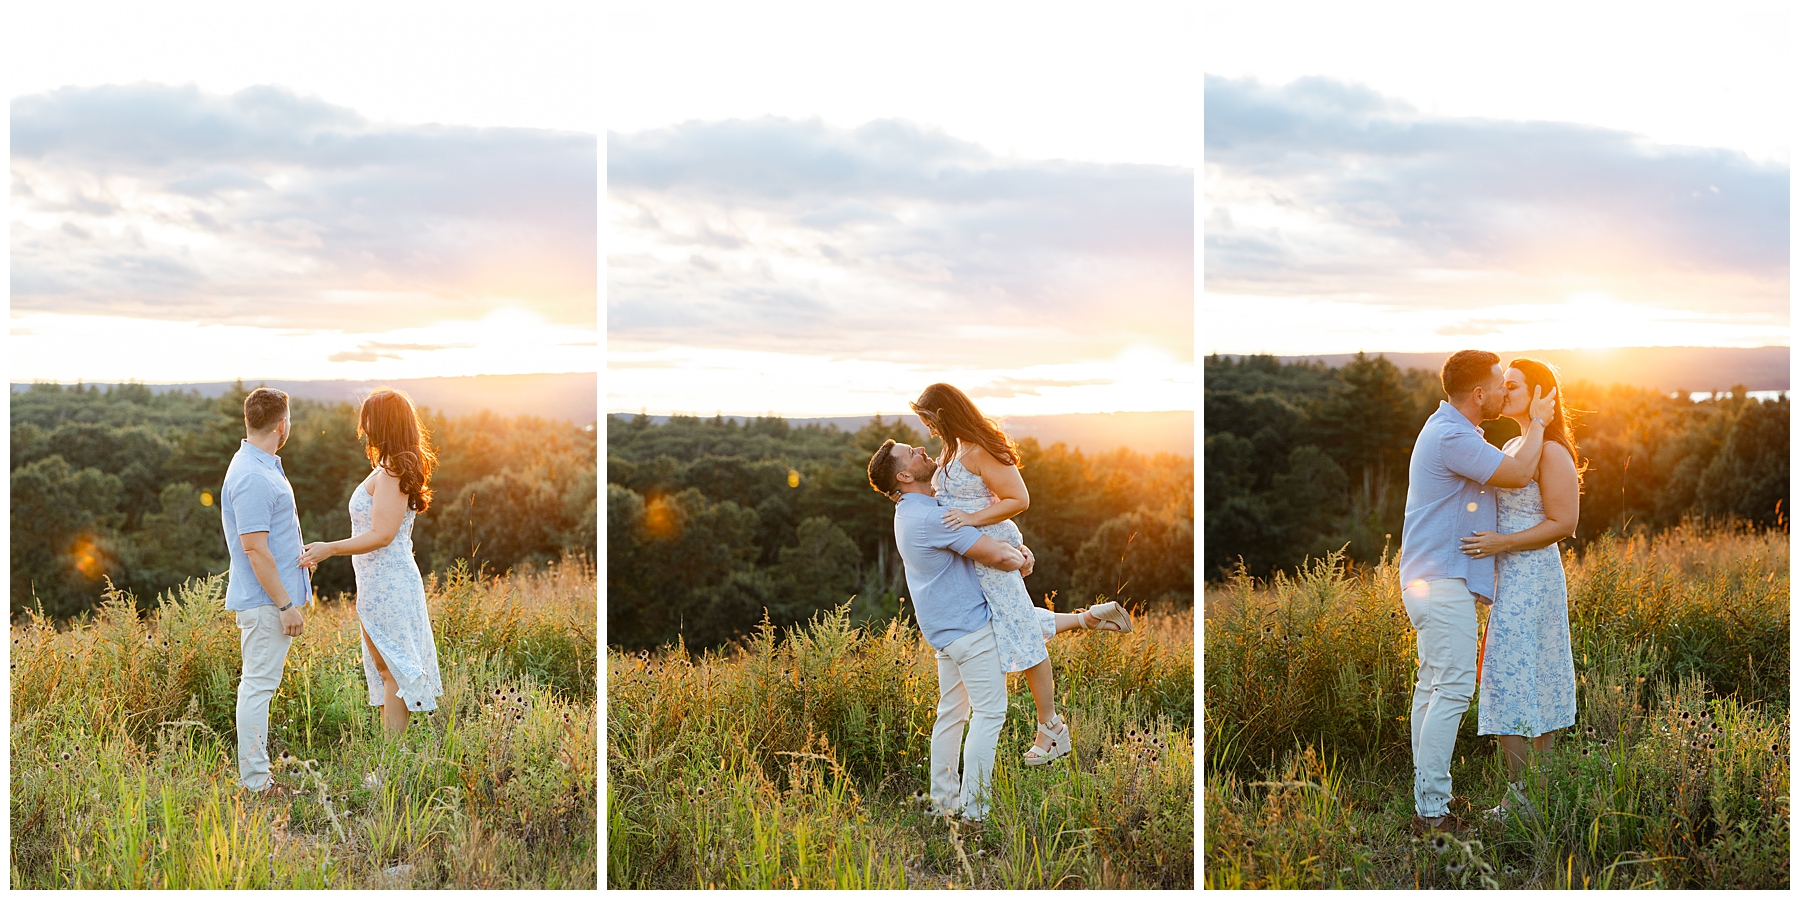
x=1020 y=627
x=390 y=601
x=1527 y=670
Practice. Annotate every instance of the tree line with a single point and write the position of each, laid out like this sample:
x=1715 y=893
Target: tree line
x=712 y=523
x=1303 y=459
x=122 y=483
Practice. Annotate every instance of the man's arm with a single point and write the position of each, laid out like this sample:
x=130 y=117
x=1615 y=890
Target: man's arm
x=995 y=555
x=1516 y=471
x=262 y=562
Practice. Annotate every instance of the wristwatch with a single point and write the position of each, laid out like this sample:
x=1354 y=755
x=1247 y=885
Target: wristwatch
x=285 y=608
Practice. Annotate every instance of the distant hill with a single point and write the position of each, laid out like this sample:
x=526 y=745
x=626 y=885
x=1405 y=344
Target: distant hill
x=1660 y=368
x=1145 y=432
x=570 y=397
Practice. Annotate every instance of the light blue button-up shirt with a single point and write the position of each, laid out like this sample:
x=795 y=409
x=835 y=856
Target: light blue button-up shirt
x=946 y=594
x=257 y=497
x=1447 y=499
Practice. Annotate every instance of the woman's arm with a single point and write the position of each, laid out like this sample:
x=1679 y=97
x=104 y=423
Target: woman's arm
x=389 y=512
x=1560 y=487
x=1008 y=486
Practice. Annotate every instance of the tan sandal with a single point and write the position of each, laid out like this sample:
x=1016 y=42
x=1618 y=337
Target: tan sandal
x=1058 y=732
x=1110 y=616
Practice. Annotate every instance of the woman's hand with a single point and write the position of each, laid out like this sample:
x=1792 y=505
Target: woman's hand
x=956 y=518
x=1485 y=544
x=315 y=553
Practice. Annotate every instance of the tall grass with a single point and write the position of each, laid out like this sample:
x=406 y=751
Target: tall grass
x=123 y=748
x=1674 y=775
x=798 y=762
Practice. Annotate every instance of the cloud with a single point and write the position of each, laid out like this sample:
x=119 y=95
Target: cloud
x=890 y=240
x=1322 y=188
x=265 y=206
x=1015 y=387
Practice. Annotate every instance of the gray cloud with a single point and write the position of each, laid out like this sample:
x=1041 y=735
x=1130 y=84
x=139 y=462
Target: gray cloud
x=1402 y=189
x=890 y=238
x=299 y=199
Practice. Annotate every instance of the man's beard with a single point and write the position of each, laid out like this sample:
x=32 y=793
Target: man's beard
x=927 y=468
x=1492 y=410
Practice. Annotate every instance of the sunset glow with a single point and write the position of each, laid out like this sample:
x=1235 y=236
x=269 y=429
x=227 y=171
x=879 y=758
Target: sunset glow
x=1368 y=190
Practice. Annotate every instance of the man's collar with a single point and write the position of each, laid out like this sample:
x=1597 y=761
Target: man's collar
x=258 y=451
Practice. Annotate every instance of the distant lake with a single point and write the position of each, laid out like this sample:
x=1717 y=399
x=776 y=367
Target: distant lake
x=1759 y=396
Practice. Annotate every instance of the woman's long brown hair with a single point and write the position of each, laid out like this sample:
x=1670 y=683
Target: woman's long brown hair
x=1561 y=425
x=956 y=419
x=396 y=440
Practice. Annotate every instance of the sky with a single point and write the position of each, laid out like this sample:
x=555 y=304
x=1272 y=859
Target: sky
x=1437 y=177
x=204 y=192
x=821 y=213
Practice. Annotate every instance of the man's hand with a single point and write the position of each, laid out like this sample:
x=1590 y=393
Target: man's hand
x=291 y=623
x=1030 y=560
x=1543 y=407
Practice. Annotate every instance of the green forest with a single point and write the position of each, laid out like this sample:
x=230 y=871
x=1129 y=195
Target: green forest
x=120 y=483
x=1302 y=459
x=712 y=523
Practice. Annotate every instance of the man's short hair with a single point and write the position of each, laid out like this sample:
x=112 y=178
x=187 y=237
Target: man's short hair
x=1467 y=370
x=264 y=407
x=882 y=468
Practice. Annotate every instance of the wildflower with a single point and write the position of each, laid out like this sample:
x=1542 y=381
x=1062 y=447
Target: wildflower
x=1590 y=731
x=1774 y=747
x=65 y=756
x=699 y=792
x=1584 y=751
x=1439 y=843
x=1454 y=867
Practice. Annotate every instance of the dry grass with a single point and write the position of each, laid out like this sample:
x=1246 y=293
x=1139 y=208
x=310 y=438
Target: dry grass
x=123 y=748
x=1675 y=774
x=796 y=763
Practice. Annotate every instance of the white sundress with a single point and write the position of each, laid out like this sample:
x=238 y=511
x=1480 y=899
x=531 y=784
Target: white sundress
x=390 y=602
x=1527 y=669
x=1020 y=627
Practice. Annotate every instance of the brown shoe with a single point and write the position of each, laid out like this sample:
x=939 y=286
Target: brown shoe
x=1447 y=822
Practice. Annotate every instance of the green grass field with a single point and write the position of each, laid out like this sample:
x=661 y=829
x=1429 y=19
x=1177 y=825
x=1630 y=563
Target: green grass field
x=123 y=749
x=795 y=763
x=1675 y=774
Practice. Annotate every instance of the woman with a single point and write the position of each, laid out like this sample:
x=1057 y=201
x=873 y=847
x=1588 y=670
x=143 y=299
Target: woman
x=399 y=654
x=977 y=482
x=1527 y=670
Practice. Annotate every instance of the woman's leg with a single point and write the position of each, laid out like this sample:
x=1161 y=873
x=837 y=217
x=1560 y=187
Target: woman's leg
x=1516 y=764
x=1043 y=692
x=394 y=714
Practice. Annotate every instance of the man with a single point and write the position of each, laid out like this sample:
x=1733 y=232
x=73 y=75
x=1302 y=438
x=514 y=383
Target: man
x=1450 y=494
x=267 y=587
x=953 y=616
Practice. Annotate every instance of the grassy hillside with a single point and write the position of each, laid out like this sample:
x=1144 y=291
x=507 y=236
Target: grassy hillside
x=798 y=763
x=123 y=748
x=1675 y=774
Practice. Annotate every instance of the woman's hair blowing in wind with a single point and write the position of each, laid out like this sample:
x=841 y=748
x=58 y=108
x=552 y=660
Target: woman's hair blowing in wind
x=396 y=440
x=956 y=419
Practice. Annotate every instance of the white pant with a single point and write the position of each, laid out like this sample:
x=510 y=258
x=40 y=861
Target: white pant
x=1443 y=614
x=265 y=652
x=969 y=678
